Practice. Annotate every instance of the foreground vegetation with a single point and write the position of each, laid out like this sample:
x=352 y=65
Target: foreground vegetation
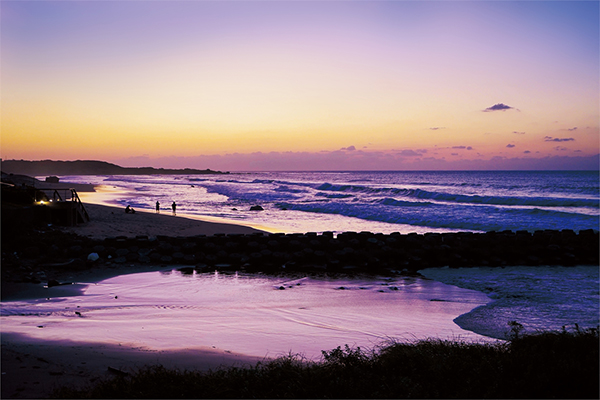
x=545 y=365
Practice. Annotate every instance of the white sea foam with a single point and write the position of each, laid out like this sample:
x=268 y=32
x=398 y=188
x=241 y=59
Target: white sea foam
x=373 y=201
x=539 y=298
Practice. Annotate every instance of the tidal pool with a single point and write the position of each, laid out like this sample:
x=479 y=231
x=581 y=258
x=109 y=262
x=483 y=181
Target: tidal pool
x=249 y=314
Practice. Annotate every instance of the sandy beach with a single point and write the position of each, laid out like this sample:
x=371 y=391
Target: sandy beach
x=108 y=221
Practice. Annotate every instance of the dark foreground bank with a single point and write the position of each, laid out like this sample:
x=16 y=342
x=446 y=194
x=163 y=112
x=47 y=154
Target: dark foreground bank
x=548 y=365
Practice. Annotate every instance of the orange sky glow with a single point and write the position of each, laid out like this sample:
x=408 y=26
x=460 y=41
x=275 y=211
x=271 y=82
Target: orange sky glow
x=367 y=85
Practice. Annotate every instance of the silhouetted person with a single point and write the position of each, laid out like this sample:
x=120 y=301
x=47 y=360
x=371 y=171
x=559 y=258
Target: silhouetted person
x=174 y=206
x=129 y=210
x=157 y=207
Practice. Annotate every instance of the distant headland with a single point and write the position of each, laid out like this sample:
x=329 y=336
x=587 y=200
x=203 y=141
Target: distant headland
x=90 y=167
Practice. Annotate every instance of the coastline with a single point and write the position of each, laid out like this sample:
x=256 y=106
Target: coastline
x=197 y=245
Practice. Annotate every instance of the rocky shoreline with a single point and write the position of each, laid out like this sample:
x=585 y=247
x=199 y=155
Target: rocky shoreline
x=48 y=255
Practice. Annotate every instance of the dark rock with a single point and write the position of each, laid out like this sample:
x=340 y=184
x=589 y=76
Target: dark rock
x=144 y=251
x=121 y=252
x=75 y=250
x=186 y=270
x=256 y=208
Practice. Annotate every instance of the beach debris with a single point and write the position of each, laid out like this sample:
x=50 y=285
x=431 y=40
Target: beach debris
x=93 y=257
x=78 y=313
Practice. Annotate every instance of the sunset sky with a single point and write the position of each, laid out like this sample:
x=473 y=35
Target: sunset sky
x=301 y=85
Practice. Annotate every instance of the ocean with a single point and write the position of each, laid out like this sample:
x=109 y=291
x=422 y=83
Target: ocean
x=471 y=303
x=386 y=202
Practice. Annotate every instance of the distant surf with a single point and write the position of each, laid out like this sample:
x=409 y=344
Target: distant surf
x=386 y=202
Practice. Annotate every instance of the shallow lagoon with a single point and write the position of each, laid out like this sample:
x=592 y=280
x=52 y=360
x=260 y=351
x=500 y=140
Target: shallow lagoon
x=249 y=314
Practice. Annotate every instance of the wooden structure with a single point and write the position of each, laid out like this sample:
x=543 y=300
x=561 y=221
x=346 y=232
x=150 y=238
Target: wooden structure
x=66 y=209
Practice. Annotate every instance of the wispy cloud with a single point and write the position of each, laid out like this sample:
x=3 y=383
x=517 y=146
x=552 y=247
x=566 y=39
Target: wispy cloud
x=510 y=146
x=499 y=107
x=437 y=128
x=551 y=139
x=462 y=147
x=560 y=148
x=572 y=129
x=519 y=133
x=526 y=152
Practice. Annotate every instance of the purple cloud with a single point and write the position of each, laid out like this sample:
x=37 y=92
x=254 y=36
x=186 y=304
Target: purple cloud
x=551 y=139
x=349 y=148
x=462 y=147
x=409 y=153
x=498 y=107
x=435 y=128
x=526 y=152
x=359 y=160
x=510 y=146
x=559 y=148
x=519 y=133
x=572 y=129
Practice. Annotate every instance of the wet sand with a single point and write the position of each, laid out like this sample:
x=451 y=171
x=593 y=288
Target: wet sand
x=32 y=368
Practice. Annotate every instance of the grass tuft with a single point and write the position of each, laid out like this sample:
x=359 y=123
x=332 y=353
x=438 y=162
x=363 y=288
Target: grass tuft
x=544 y=365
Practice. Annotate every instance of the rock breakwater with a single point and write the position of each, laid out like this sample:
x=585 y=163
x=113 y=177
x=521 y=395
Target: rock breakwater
x=46 y=254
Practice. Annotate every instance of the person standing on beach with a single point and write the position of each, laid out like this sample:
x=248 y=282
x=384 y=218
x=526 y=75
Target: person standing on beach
x=157 y=207
x=174 y=206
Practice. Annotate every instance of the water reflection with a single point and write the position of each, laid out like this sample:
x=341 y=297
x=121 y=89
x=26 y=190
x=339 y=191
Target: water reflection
x=249 y=314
